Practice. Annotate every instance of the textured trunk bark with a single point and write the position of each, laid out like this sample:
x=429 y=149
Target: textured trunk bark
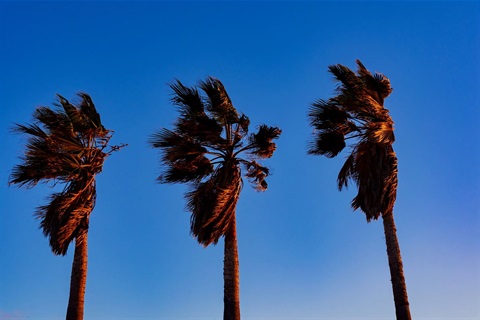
x=231 y=276
x=402 y=308
x=78 y=279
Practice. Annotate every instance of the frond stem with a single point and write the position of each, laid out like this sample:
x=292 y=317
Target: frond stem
x=250 y=146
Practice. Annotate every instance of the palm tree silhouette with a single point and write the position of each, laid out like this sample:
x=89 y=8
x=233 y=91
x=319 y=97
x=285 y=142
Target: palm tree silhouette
x=204 y=150
x=67 y=146
x=358 y=113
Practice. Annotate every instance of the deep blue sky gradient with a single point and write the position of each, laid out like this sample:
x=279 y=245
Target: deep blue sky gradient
x=303 y=253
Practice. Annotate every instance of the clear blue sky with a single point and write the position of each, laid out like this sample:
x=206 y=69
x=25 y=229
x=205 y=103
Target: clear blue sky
x=303 y=253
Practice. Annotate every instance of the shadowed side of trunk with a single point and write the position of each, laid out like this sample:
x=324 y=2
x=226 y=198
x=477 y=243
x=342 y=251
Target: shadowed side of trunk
x=402 y=307
x=231 y=275
x=78 y=279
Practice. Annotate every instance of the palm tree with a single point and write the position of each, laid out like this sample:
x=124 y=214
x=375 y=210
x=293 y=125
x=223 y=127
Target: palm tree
x=204 y=150
x=66 y=145
x=357 y=114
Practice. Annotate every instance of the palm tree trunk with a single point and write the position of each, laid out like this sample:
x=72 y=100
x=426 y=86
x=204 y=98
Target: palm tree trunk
x=402 y=308
x=78 y=279
x=231 y=275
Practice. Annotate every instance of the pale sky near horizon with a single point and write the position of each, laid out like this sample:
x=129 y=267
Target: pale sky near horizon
x=304 y=254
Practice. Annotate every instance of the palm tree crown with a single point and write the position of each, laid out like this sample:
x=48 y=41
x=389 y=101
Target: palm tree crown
x=357 y=113
x=64 y=145
x=204 y=150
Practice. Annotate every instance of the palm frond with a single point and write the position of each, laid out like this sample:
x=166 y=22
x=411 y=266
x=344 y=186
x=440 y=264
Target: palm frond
x=87 y=107
x=213 y=204
x=375 y=166
x=202 y=129
x=327 y=143
x=257 y=174
x=261 y=143
x=186 y=150
x=183 y=171
x=243 y=123
x=164 y=138
x=188 y=99
x=347 y=172
x=378 y=85
x=45 y=158
x=83 y=117
x=390 y=180
x=347 y=78
x=76 y=118
x=176 y=147
x=193 y=120
x=326 y=114
x=183 y=158
x=218 y=101
x=56 y=123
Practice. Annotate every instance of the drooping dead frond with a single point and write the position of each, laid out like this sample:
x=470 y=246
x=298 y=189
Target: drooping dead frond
x=376 y=176
x=347 y=172
x=390 y=180
x=213 y=204
x=67 y=215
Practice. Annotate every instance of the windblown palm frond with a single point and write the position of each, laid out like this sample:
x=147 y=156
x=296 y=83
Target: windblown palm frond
x=218 y=102
x=64 y=145
x=183 y=158
x=262 y=144
x=377 y=84
x=204 y=150
x=332 y=123
x=349 y=81
x=357 y=114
